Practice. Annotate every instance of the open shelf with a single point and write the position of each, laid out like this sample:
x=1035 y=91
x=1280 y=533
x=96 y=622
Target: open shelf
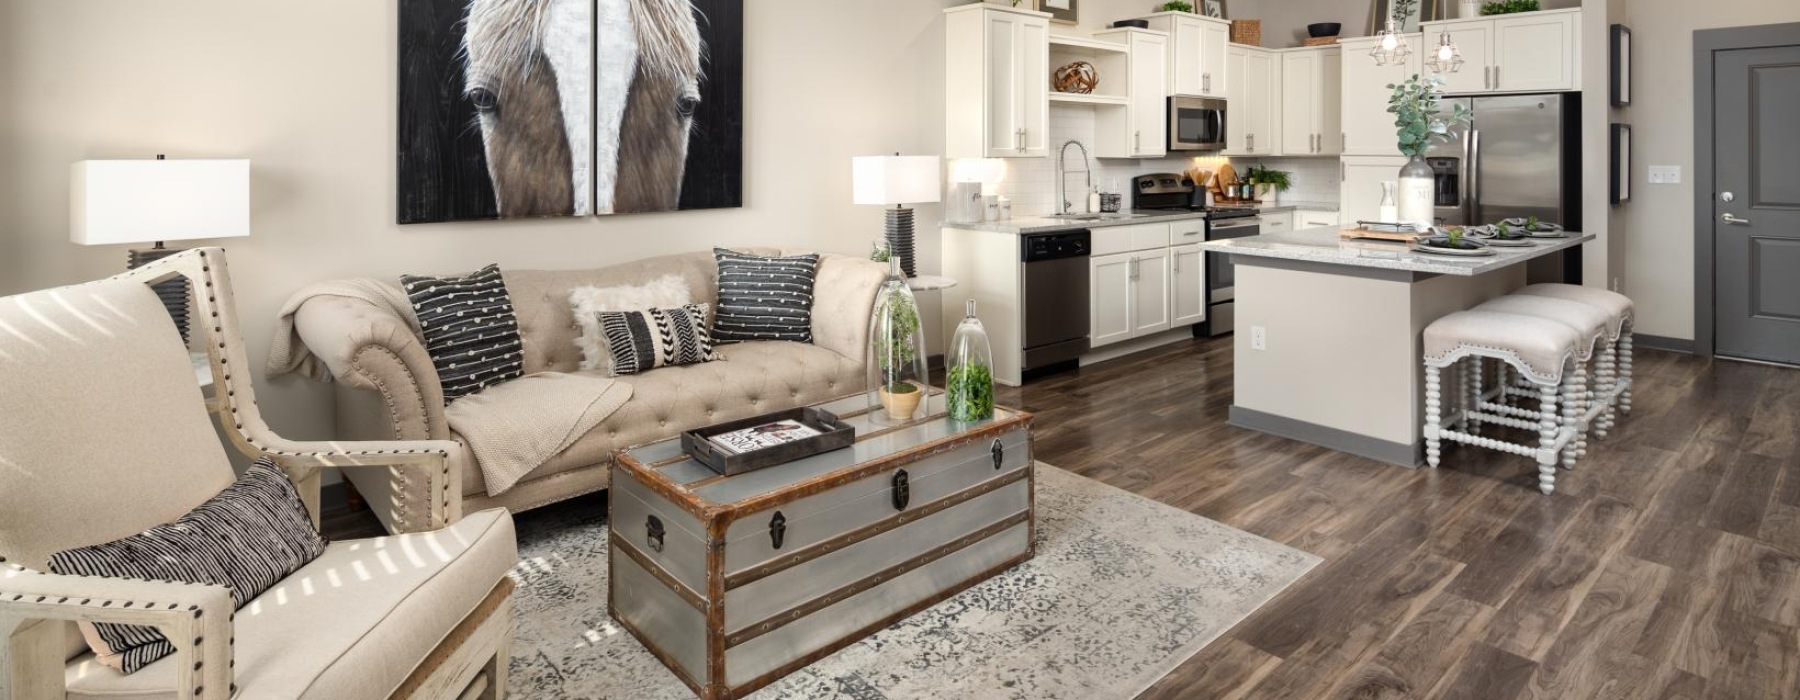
x=1077 y=98
x=1081 y=42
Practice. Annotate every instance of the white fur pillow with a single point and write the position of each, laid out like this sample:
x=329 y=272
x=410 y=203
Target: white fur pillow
x=666 y=292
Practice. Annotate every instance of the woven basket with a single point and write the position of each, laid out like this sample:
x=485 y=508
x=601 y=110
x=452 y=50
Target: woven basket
x=1246 y=31
x=1321 y=40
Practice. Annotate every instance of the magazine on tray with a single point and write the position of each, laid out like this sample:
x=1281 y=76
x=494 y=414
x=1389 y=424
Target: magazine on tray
x=763 y=436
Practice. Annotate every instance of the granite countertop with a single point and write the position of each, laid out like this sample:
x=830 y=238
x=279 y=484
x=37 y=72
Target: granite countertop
x=1324 y=246
x=1047 y=224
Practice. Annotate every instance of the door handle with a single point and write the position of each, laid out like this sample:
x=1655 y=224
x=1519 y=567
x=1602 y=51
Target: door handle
x=1496 y=77
x=1728 y=218
x=1137 y=141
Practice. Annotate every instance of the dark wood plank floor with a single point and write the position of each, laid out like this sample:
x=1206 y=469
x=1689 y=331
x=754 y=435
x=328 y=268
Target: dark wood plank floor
x=1666 y=566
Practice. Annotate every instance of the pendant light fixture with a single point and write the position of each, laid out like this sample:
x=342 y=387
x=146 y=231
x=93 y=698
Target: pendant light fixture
x=1445 y=58
x=1391 y=49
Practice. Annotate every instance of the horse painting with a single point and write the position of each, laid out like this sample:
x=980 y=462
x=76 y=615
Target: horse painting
x=567 y=107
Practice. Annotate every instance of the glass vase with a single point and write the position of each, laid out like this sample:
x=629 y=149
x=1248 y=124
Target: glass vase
x=1416 y=185
x=969 y=388
x=1389 y=211
x=896 y=363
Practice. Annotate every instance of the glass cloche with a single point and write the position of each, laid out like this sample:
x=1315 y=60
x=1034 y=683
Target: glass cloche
x=898 y=378
x=969 y=389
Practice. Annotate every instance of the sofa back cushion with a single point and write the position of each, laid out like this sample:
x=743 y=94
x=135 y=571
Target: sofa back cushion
x=547 y=324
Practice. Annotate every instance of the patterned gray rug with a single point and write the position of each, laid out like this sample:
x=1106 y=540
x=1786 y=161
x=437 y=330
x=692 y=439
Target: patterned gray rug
x=1122 y=590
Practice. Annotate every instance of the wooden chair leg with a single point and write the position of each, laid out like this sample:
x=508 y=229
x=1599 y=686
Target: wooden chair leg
x=1548 y=426
x=1434 y=414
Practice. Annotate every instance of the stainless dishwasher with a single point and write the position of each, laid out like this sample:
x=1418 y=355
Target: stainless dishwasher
x=1055 y=299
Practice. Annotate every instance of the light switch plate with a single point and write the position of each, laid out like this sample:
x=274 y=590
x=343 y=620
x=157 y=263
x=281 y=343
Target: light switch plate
x=1665 y=174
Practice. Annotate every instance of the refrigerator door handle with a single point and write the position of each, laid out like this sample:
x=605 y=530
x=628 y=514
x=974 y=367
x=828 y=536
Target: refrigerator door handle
x=1466 y=188
x=1474 y=198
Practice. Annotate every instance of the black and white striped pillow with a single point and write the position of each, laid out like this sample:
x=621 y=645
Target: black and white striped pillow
x=248 y=538
x=470 y=331
x=764 y=298
x=644 y=340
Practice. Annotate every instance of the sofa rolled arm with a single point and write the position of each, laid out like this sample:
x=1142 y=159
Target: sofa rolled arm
x=368 y=347
x=843 y=297
x=197 y=619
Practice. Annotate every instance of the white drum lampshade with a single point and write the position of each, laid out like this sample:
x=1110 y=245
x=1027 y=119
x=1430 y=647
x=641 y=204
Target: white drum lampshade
x=136 y=201
x=898 y=180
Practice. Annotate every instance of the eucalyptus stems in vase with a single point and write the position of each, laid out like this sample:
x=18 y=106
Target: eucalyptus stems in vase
x=1419 y=122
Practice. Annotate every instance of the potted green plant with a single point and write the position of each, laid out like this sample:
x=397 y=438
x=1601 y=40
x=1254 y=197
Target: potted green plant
x=1175 y=6
x=1507 y=7
x=1419 y=122
x=896 y=350
x=1270 y=183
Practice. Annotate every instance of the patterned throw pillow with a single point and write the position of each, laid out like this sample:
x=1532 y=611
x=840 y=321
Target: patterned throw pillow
x=470 y=331
x=248 y=538
x=645 y=340
x=764 y=298
x=586 y=303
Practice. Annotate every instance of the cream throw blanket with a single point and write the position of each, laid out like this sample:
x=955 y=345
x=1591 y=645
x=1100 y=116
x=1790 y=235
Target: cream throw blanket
x=510 y=429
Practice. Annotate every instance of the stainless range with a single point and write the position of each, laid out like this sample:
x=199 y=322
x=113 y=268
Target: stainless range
x=1173 y=193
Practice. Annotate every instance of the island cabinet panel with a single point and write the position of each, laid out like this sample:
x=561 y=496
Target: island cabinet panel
x=735 y=581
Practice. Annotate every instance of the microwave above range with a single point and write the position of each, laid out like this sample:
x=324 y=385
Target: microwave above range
x=1196 y=123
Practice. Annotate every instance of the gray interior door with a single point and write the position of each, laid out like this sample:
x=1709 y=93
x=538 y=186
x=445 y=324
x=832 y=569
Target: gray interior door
x=1756 y=203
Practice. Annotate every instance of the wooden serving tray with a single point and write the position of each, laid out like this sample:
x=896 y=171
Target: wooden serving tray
x=1360 y=232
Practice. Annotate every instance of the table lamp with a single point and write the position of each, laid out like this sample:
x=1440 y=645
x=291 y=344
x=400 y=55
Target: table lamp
x=898 y=180
x=138 y=201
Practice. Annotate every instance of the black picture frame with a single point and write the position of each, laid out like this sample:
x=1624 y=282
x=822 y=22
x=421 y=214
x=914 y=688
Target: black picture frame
x=1619 y=184
x=1620 y=70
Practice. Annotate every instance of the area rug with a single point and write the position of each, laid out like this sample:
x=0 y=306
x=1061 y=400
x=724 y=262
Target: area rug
x=1122 y=590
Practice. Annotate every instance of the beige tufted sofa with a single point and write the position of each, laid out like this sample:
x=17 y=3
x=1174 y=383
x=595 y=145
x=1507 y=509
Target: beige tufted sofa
x=387 y=388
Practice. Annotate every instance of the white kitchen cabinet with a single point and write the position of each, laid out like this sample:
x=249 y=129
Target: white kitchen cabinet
x=1110 y=287
x=1368 y=129
x=1277 y=222
x=1253 y=124
x=1187 y=231
x=1140 y=129
x=1122 y=239
x=1150 y=294
x=1311 y=98
x=1187 y=285
x=1197 y=47
x=1359 y=194
x=1523 y=52
x=997 y=80
x=1305 y=219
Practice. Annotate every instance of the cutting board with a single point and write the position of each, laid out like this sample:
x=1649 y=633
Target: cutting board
x=1359 y=232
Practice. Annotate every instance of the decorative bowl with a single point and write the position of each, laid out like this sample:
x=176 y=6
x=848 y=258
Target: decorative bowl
x=1323 y=29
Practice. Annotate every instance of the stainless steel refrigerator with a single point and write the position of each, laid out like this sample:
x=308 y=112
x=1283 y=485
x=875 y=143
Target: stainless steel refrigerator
x=1519 y=157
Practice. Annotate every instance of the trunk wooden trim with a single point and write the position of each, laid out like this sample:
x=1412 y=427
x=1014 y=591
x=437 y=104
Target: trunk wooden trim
x=778 y=620
x=620 y=544
x=801 y=556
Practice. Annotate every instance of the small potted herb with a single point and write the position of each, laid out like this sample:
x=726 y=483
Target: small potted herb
x=1175 y=6
x=1507 y=7
x=1270 y=183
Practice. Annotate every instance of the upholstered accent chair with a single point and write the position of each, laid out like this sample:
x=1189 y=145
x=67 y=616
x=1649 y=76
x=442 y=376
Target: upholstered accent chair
x=105 y=432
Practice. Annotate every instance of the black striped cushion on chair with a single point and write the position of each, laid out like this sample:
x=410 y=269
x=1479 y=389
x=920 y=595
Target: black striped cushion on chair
x=764 y=298
x=470 y=331
x=644 y=340
x=248 y=538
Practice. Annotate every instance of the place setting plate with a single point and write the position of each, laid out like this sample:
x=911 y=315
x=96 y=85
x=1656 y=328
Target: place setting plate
x=1424 y=245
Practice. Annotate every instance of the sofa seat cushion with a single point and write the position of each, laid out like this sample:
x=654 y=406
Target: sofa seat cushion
x=352 y=624
x=754 y=377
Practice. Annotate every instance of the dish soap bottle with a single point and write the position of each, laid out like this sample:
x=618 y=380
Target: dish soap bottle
x=969 y=389
x=1093 y=201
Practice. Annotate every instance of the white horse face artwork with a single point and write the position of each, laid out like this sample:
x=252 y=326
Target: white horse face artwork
x=528 y=71
x=657 y=117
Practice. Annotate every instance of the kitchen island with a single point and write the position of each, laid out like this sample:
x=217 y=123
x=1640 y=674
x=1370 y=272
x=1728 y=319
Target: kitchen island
x=1327 y=335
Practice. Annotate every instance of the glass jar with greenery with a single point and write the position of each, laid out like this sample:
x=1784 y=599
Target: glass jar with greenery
x=896 y=361
x=969 y=390
x=1418 y=123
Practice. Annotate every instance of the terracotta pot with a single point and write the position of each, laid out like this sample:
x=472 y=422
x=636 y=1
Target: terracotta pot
x=900 y=407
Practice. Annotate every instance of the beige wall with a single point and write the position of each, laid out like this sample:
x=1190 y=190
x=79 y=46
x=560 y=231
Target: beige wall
x=307 y=92
x=1659 y=239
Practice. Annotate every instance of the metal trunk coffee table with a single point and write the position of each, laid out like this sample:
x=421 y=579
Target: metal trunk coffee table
x=736 y=581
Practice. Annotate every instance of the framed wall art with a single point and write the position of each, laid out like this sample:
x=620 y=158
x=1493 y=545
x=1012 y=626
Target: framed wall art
x=1619 y=191
x=1621 y=65
x=1061 y=11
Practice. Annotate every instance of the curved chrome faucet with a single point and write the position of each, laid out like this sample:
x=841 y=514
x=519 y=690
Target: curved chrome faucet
x=1062 y=191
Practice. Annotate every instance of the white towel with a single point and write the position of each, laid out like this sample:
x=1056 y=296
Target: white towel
x=515 y=427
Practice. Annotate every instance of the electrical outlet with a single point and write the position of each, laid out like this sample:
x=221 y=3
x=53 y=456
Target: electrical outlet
x=1665 y=174
x=1259 y=338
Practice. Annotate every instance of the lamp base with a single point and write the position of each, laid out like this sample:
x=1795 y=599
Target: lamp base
x=173 y=293
x=900 y=238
